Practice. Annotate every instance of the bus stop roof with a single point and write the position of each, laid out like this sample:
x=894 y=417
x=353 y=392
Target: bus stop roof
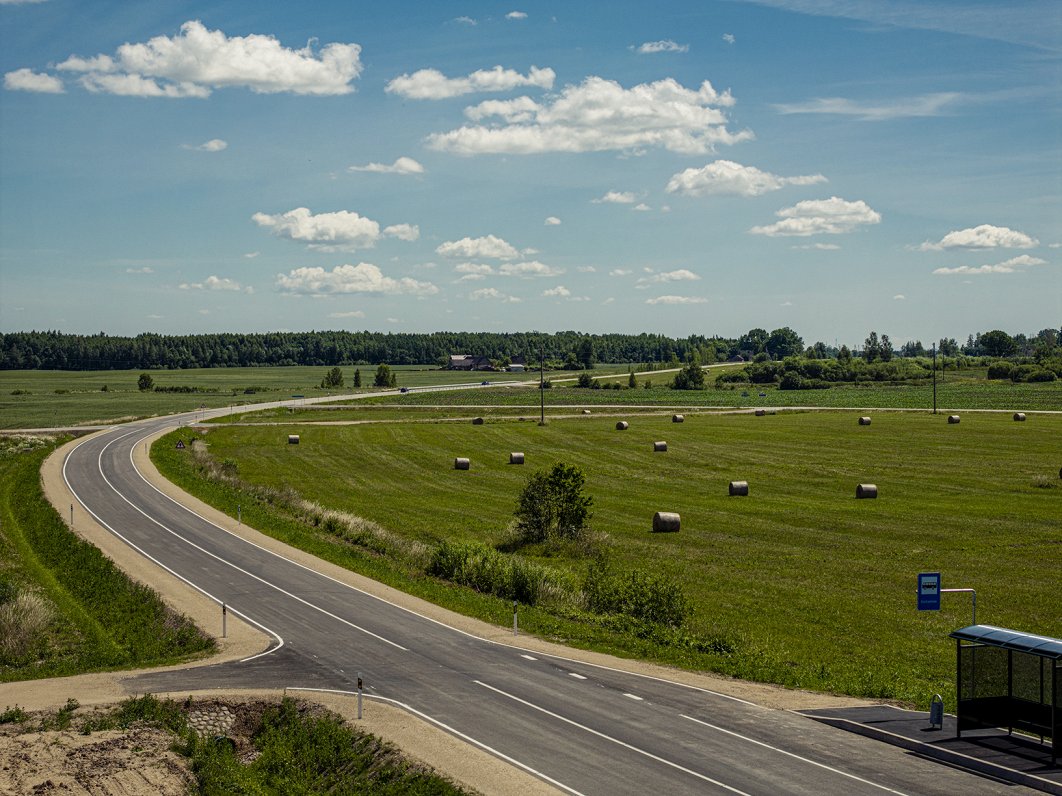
x=1043 y=646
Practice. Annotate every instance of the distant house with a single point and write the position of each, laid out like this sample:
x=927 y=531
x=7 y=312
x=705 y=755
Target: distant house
x=469 y=362
x=517 y=365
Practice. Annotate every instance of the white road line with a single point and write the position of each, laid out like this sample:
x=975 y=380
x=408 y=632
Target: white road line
x=617 y=741
x=452 y=731
x=149 y=557
x=576 y=676
x=634 y=697
x=529 y=657
x=791 y=754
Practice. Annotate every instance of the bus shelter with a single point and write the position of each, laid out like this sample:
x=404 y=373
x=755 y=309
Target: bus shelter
x=1010 y=679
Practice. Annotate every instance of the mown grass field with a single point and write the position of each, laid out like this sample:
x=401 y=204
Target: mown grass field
x=812 y=587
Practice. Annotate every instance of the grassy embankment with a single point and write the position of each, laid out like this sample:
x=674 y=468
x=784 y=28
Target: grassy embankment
x=290 y=747
x=799 y=584
x=64 y=607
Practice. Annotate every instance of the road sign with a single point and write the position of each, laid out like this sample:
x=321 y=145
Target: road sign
x=180 y=444
x=928 y=591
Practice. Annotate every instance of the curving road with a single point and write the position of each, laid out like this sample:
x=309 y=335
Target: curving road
x=584 y=729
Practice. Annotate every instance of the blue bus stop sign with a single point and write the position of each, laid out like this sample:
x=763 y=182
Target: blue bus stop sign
x=928 y=591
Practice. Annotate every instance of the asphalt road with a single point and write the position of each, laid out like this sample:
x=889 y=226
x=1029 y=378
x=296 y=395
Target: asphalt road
x=583 y=728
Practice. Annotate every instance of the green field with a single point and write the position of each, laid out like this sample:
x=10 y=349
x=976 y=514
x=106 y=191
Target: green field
x=807 y=586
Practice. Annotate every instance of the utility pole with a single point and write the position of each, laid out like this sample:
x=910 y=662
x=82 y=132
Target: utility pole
x=541 y=383
x=934 y=378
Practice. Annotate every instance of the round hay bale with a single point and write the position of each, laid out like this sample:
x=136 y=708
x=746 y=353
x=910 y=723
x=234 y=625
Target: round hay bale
x=477 y=421
x=586 y=411
x=516 y=458
x=866 y=491
x=953 y=419
x=622 y=425
x=739 y=489
x=293 y=439
x=864 y=421
x=761 y=412
x=678 y=419
x=660 y=447
x=666 y=522
x=1019 y=416
x=461 y=464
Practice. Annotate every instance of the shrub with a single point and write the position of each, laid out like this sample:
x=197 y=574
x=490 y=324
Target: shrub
x=584 y=381
x=145 y=382
x=552 y=505
x=1000 y=369
x=734 y=377
x=639 y=594
x=23 y=622
x=488 y=571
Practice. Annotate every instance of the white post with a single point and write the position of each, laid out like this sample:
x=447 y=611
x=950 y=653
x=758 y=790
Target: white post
x=239 y=514
x=359 y=696
x=71 y=515
x=514 y=618
x=224 y=622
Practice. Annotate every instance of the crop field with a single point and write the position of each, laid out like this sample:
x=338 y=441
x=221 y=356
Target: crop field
x=808 y=586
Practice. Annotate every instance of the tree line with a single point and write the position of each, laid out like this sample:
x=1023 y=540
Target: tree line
x=54 y=350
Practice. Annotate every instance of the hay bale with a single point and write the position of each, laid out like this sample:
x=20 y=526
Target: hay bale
x=477 y=421
x=739 y=489
x=678 y=419
x=666 y=522
x=516 y=458
x=866 y=491
x=1019 y=416
x=461 y=464
x=761 y=412
x=953 y=419
x=864 y=421
x=586 y=411
x=622 y=425
x=660 y=447
x=293 y=439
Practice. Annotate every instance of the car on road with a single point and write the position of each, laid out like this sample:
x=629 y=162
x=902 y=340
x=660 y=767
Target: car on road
x=404 y=389
x=484 y=383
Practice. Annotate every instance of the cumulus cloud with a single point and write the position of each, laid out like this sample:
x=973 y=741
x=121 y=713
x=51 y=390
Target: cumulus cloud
x=432 y=84
x=833 y=216
x=729 y=38
x=560 y=291
x=516 y=15
x=339 y=231
x=728 y=177
x=492 y=293
x=1013 y=265
x=899 y=297
x=403 y=231
x=473 y=271
x=351 y=314
x=466 y=21
x=984 y=236
x=489 y=246
x=664 y=46
x=680 y=275
x=402 y=165
x=213 y=145
x=908 y=107
x=677 y=300
x=600 y=115
x=529 y=269
x=214 y=283
x=620 y=272
x=360 y=278
x=616 y=198
x=586 y=269
x=822 y=247
x=147 y=269
x=198 y=60
x=642 y=207
x=251 y=255
x=552 y=221
x=36 y=82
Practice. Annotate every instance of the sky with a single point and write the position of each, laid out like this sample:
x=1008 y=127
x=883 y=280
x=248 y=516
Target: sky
x=701 y=167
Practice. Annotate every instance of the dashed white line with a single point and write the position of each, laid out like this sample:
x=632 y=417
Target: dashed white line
x=634 y=697
x=529 y=657
x=576 y=676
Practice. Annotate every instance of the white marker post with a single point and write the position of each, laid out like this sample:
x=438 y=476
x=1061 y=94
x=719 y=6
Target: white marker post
x=239 y=514
x=515 y=630
x=224 y=621
x=71 y=515
x=359 y=696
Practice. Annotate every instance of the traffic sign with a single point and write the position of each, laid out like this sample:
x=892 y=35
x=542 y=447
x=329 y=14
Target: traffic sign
x=928 y=591
x=180 y=444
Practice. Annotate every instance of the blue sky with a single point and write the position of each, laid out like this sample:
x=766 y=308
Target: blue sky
x=685 y=168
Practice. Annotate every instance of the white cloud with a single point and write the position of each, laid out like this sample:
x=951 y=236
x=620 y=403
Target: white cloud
x=899 y=297
x=925 y=105
x=36 y=82
x=402 y=165
x=529 y=269
x=197 y=61
x=729 y=38
x=560 y=291
x=466 y=21
x=339 y=231
x=680 y=275
x=728 y=177
x=492 y=293
x=1054 y=245
x=360 y=278
x=600 y=115
x=642 y=207
x=1013 y=265
x=616 y=198
x=214 y=283
x=552 y=221
x=620 y=272
x=822 y=247
x=351 y=314
x=984 y=236
x=586 y=269
x=213 y=145
x=677 y=300
x=489 y=246
x=147 y=269
x=473 y=271
x=433 y=84
x=516 y=15
x=833 y=216
x=786 y=304
x=403 y=231
x=251 y=255
x=664 y=46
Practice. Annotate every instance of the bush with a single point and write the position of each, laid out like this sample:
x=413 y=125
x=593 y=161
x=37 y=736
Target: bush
x=488 y=571
x=734 y=377
x=552 y=505
x=639 y=594
x=1031 y=373
x=145 y=382
x=584 y=381
x=1000 y=370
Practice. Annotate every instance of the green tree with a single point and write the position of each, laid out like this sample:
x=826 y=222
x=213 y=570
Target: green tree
x=631 y=381
x=948 y=346
x=584 y=381
x=753 y=341
x=145 y=382
x=784 y=343
x=357 y=377
x=997 y=343
x=584 y=353
x=552 y=505
x=871 y=348
x=885 y=349
x=691 y=377
x=332 y=379
x=384 y=377
x=844 y=355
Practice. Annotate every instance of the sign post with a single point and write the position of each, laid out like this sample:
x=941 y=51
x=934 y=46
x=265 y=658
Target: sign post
x=928 y=591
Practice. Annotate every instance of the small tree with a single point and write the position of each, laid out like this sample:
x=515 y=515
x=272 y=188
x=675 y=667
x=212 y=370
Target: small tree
x=552 y=505
x=585 y=381
x=332 y=379
x=145 y=382
x=690 y=377
x=384 y=377
x=631 y=381
x=357 y=377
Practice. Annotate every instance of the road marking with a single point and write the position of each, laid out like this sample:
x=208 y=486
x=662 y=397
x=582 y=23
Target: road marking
x=529 y=657
x=197 y=587
x=576 y=676
x=634 y=697
x=452 y=731
x=792 y=754
x=617 y=741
